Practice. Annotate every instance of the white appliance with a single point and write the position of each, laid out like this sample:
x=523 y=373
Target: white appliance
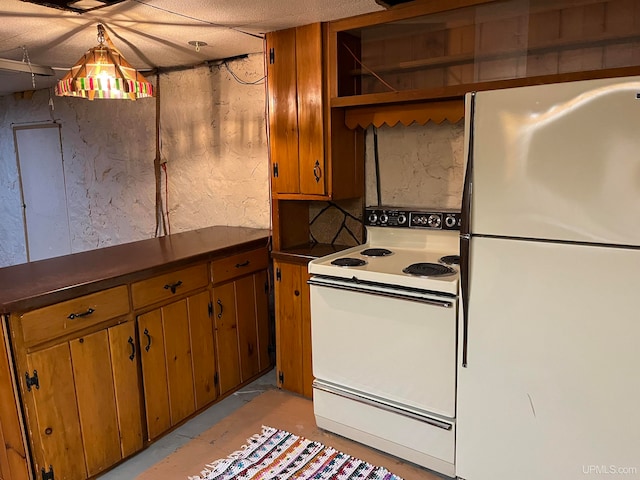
x=384 y=339
x=550 y=278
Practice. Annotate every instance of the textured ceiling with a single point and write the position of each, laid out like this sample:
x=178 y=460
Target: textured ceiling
x=152 y=33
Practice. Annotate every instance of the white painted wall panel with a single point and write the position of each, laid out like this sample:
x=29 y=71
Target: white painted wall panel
x=43 y=191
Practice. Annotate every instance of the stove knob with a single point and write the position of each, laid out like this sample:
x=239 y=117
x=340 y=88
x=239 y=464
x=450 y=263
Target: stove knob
x=384 y=218
x=450 y=221
x=434 y=221
x=373 y=217
x=402 y=219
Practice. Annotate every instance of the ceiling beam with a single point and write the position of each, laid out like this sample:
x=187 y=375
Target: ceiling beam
x=15 y=66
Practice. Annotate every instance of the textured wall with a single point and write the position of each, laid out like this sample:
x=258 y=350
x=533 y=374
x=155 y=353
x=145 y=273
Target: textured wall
x=420 y=166
x=213 y=140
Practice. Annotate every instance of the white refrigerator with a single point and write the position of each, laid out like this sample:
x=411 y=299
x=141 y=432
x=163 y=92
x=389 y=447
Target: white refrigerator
x=549 y=333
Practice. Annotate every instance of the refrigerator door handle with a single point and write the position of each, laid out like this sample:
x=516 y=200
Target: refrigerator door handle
x=465 y=230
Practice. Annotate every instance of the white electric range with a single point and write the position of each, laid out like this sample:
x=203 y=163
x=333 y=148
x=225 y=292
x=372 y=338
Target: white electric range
x=383 y=319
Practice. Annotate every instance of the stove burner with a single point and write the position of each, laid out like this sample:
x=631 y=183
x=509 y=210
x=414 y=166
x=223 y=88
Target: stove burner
x=428 y=270
x=451 y=260
x=348 y=262
x=376 y=252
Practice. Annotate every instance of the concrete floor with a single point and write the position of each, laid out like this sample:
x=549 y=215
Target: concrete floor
x=168 y=444
x=225 y=427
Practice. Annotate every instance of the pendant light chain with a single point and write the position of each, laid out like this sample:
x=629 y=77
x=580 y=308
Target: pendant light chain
x=27 y=60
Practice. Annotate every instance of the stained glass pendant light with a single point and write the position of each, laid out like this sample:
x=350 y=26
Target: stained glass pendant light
x=104 y=73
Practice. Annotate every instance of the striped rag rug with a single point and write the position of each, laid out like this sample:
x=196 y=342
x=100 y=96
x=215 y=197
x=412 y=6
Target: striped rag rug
x=277 y=454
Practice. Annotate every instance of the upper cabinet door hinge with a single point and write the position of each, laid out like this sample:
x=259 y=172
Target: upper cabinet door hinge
x=47 y=475
x=32 y=381
x=275 y=170
x=278 y=275
x=210 y=309
x=272 y=56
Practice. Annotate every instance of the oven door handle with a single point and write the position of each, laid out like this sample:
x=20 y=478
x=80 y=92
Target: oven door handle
x=370 y=401
x=382 y=291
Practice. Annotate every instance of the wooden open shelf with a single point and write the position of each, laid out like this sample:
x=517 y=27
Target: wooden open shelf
x=435 y=50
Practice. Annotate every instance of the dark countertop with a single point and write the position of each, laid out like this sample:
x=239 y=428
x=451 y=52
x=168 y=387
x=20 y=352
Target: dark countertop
x=35 y=284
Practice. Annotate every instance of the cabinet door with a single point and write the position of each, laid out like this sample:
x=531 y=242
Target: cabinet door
x=310 y=109
x=283 y=113
x=56 y=427
x=154 y=373
x=226 y=329
x=261 y=282
x=289 y=326
x=202 y=349
x=126 y=381
x=95 y=394
x=247 y=327
x=177 y=344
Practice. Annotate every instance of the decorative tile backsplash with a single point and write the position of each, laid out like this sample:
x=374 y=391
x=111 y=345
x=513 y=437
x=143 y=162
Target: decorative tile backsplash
x=338 y=223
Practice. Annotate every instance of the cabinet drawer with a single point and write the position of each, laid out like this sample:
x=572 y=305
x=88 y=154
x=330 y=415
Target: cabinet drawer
x=66 y=317
x=238 y=265
x=164 y=287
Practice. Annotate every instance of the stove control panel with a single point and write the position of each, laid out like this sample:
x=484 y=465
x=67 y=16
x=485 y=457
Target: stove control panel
x=399 y=218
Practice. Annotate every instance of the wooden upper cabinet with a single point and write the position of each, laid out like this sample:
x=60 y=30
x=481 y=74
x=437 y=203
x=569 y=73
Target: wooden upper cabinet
x=313 y=155
x=439 y=50
x=283 y=111
x=310 y=109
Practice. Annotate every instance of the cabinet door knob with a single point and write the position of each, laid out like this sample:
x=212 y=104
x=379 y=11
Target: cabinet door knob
x=296 y=293
x=83 y=314
x=317 y=171
x=173 y=286
x=146 y=332
x=133 y=348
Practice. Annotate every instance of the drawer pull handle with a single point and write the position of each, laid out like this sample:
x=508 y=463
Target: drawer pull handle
x=133 y=349
x=173 y=287
x=146 y=332
x=83 y=314
x=243 y=264
x=219 y=302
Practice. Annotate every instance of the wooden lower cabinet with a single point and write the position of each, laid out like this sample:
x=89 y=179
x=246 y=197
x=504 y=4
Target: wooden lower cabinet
x=293 y=327
x=14 y=460
x=102 y=375
x=177 y=349
x=226 y=333
x=241 y=317
x=84 y=412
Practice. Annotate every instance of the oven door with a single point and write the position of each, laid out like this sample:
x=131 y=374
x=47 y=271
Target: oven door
x=387 y=342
